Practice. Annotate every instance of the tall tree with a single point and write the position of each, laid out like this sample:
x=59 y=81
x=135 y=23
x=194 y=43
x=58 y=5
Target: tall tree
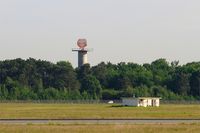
x=160 y=69
x=92 y=86
x=195 y=83
x=101 y=73
x=181 y=83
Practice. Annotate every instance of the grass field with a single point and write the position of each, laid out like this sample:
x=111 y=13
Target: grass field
x=33 y=110
x=142 y=128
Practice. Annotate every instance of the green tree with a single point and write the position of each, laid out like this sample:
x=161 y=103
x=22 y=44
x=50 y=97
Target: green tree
x=195 y=84
x=161 y=71
x=3 y=92
x=65 y=77
x=92 y=86
x=101 y=73
x=181 y=83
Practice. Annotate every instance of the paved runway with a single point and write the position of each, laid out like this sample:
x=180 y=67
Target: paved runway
x=97 y=121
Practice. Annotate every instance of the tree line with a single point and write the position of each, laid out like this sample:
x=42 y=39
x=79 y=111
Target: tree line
x=33 y=79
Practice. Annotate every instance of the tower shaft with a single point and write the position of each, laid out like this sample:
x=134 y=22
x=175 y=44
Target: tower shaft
x=82 y=58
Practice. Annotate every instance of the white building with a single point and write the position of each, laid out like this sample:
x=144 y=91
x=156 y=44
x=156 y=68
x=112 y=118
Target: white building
x=141 y=101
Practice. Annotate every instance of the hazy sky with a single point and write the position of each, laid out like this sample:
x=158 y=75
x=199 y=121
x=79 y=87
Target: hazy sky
x=137 y=31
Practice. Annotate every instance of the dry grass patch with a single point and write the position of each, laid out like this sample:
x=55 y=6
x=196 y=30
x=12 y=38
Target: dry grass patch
x=146 y=128
x=31 y=110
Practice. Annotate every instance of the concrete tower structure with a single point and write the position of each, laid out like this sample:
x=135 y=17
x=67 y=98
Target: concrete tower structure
x=82 y=52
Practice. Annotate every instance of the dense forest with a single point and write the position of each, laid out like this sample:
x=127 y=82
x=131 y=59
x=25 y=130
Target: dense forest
x=42 y=80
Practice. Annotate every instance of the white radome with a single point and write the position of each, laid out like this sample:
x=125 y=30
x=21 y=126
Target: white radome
x=82 y=43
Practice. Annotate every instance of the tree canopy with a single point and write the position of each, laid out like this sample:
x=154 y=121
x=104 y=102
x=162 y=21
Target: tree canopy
x=33 y=79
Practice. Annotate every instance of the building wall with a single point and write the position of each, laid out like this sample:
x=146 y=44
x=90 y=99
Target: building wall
x=129 y=102
x=141 y=102
x=156 y=102
x=149 y=102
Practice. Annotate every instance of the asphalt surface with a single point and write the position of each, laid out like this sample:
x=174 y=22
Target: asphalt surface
x=97 y=121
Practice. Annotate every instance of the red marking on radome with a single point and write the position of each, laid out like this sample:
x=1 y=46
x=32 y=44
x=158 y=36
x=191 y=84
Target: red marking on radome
x=82 y=43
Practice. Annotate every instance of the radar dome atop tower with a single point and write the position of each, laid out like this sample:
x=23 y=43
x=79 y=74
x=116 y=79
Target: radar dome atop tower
x=82 y=43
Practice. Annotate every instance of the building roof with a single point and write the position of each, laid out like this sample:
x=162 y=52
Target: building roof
x=141 y=98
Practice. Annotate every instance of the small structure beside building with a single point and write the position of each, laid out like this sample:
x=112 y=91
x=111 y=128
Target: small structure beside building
x=141 y=101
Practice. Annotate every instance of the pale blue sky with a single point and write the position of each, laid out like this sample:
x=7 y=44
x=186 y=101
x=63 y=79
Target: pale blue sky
x=137 y=31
